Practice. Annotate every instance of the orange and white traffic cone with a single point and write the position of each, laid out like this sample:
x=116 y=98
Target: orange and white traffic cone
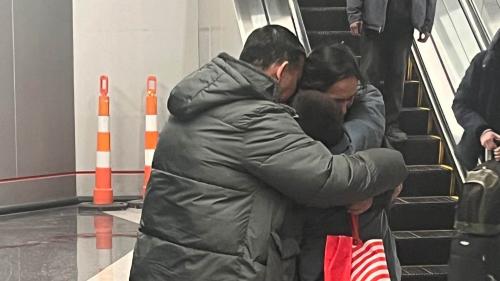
x=150 y=135
x=103 y=193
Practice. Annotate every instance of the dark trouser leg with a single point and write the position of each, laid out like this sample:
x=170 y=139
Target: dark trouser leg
x=396 y=51
x=372 y=63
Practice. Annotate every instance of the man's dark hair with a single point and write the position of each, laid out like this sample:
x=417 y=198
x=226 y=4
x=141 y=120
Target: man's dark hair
x=319 y=116
x=272 y=44
x=328 y=64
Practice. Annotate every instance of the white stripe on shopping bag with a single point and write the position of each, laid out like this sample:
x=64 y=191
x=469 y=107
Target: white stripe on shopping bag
x=369 y=268
x=371 y=251
x=367 y=244
x=378 y=277
x=356 y=251
x=357 y=268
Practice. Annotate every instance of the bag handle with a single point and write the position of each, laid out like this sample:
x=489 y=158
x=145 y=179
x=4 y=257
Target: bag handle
x=355 y=230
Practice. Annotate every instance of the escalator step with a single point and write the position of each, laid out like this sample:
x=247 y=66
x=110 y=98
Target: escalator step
x=325 y=18
x=411 y=91
x=322 y=3
x=317 y=38
x=414 y=120
x=424 y=273
x=427 y=180
x=417 y=213
x=420 y=150
x=423 y=247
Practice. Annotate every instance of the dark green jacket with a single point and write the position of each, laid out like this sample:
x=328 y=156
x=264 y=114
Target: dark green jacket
x=229 y=163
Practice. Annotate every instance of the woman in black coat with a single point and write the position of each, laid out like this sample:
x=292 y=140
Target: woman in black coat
x=477 y=106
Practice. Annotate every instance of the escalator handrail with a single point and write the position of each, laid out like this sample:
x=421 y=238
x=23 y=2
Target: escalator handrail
x=298 y=22
x=479 y=30
x=440 y=116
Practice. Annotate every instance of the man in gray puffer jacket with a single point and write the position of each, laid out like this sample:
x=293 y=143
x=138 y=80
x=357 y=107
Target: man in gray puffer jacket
x=230 y=162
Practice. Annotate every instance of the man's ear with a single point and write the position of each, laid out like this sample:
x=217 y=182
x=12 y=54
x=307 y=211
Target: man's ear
x=281 y=69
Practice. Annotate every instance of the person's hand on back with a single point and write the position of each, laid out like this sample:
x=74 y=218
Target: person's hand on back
x=360 y=207
x=396 y=192
x=356 y=28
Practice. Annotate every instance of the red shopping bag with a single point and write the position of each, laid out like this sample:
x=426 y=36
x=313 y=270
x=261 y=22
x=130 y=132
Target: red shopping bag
x=350 y=259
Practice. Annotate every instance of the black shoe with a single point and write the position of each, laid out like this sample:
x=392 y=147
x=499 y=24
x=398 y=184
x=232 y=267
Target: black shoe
x=394 y=134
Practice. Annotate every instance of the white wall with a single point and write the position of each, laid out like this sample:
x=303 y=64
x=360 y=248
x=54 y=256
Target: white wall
x=127 y=40
x=219 y=29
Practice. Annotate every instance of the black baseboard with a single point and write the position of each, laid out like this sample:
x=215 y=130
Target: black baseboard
x=29 y=207
x=123 y=198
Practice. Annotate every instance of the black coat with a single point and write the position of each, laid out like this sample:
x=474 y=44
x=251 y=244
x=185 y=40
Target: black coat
x=228 y=165
x=477 y=103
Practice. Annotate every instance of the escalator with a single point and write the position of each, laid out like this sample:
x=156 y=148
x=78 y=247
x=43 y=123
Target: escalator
x=422 y=218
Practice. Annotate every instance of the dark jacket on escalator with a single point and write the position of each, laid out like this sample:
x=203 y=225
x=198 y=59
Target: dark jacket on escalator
x=229 y=163
x=477 y=102
x=374 y=13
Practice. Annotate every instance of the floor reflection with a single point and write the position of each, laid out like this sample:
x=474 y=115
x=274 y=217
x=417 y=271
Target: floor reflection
x=61 y=244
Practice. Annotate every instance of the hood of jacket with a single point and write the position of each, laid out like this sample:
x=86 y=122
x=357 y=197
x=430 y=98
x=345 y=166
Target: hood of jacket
x=222 y=81
x=493 y=52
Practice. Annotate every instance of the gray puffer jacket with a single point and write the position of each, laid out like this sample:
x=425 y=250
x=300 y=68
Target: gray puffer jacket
x=373 y=13
x=229 y=163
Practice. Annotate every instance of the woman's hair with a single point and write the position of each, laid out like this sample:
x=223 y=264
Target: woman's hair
x=328 y=64
x=319 y=116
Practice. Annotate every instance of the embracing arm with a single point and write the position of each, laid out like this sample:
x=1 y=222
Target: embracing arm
x=279 y=153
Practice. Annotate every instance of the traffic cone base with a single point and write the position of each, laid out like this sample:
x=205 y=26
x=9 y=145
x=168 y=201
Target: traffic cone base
x=103 y=196
x=136 y=204
x=115 y=206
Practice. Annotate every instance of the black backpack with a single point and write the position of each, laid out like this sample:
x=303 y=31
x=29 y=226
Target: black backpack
x=478 y=210
x=475 y=250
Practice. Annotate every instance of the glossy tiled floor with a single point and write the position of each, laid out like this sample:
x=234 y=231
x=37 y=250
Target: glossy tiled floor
x=63 y=244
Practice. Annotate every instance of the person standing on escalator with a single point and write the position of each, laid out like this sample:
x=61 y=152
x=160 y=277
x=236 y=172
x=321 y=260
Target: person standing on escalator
x=386 y=29
x=477 y=106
